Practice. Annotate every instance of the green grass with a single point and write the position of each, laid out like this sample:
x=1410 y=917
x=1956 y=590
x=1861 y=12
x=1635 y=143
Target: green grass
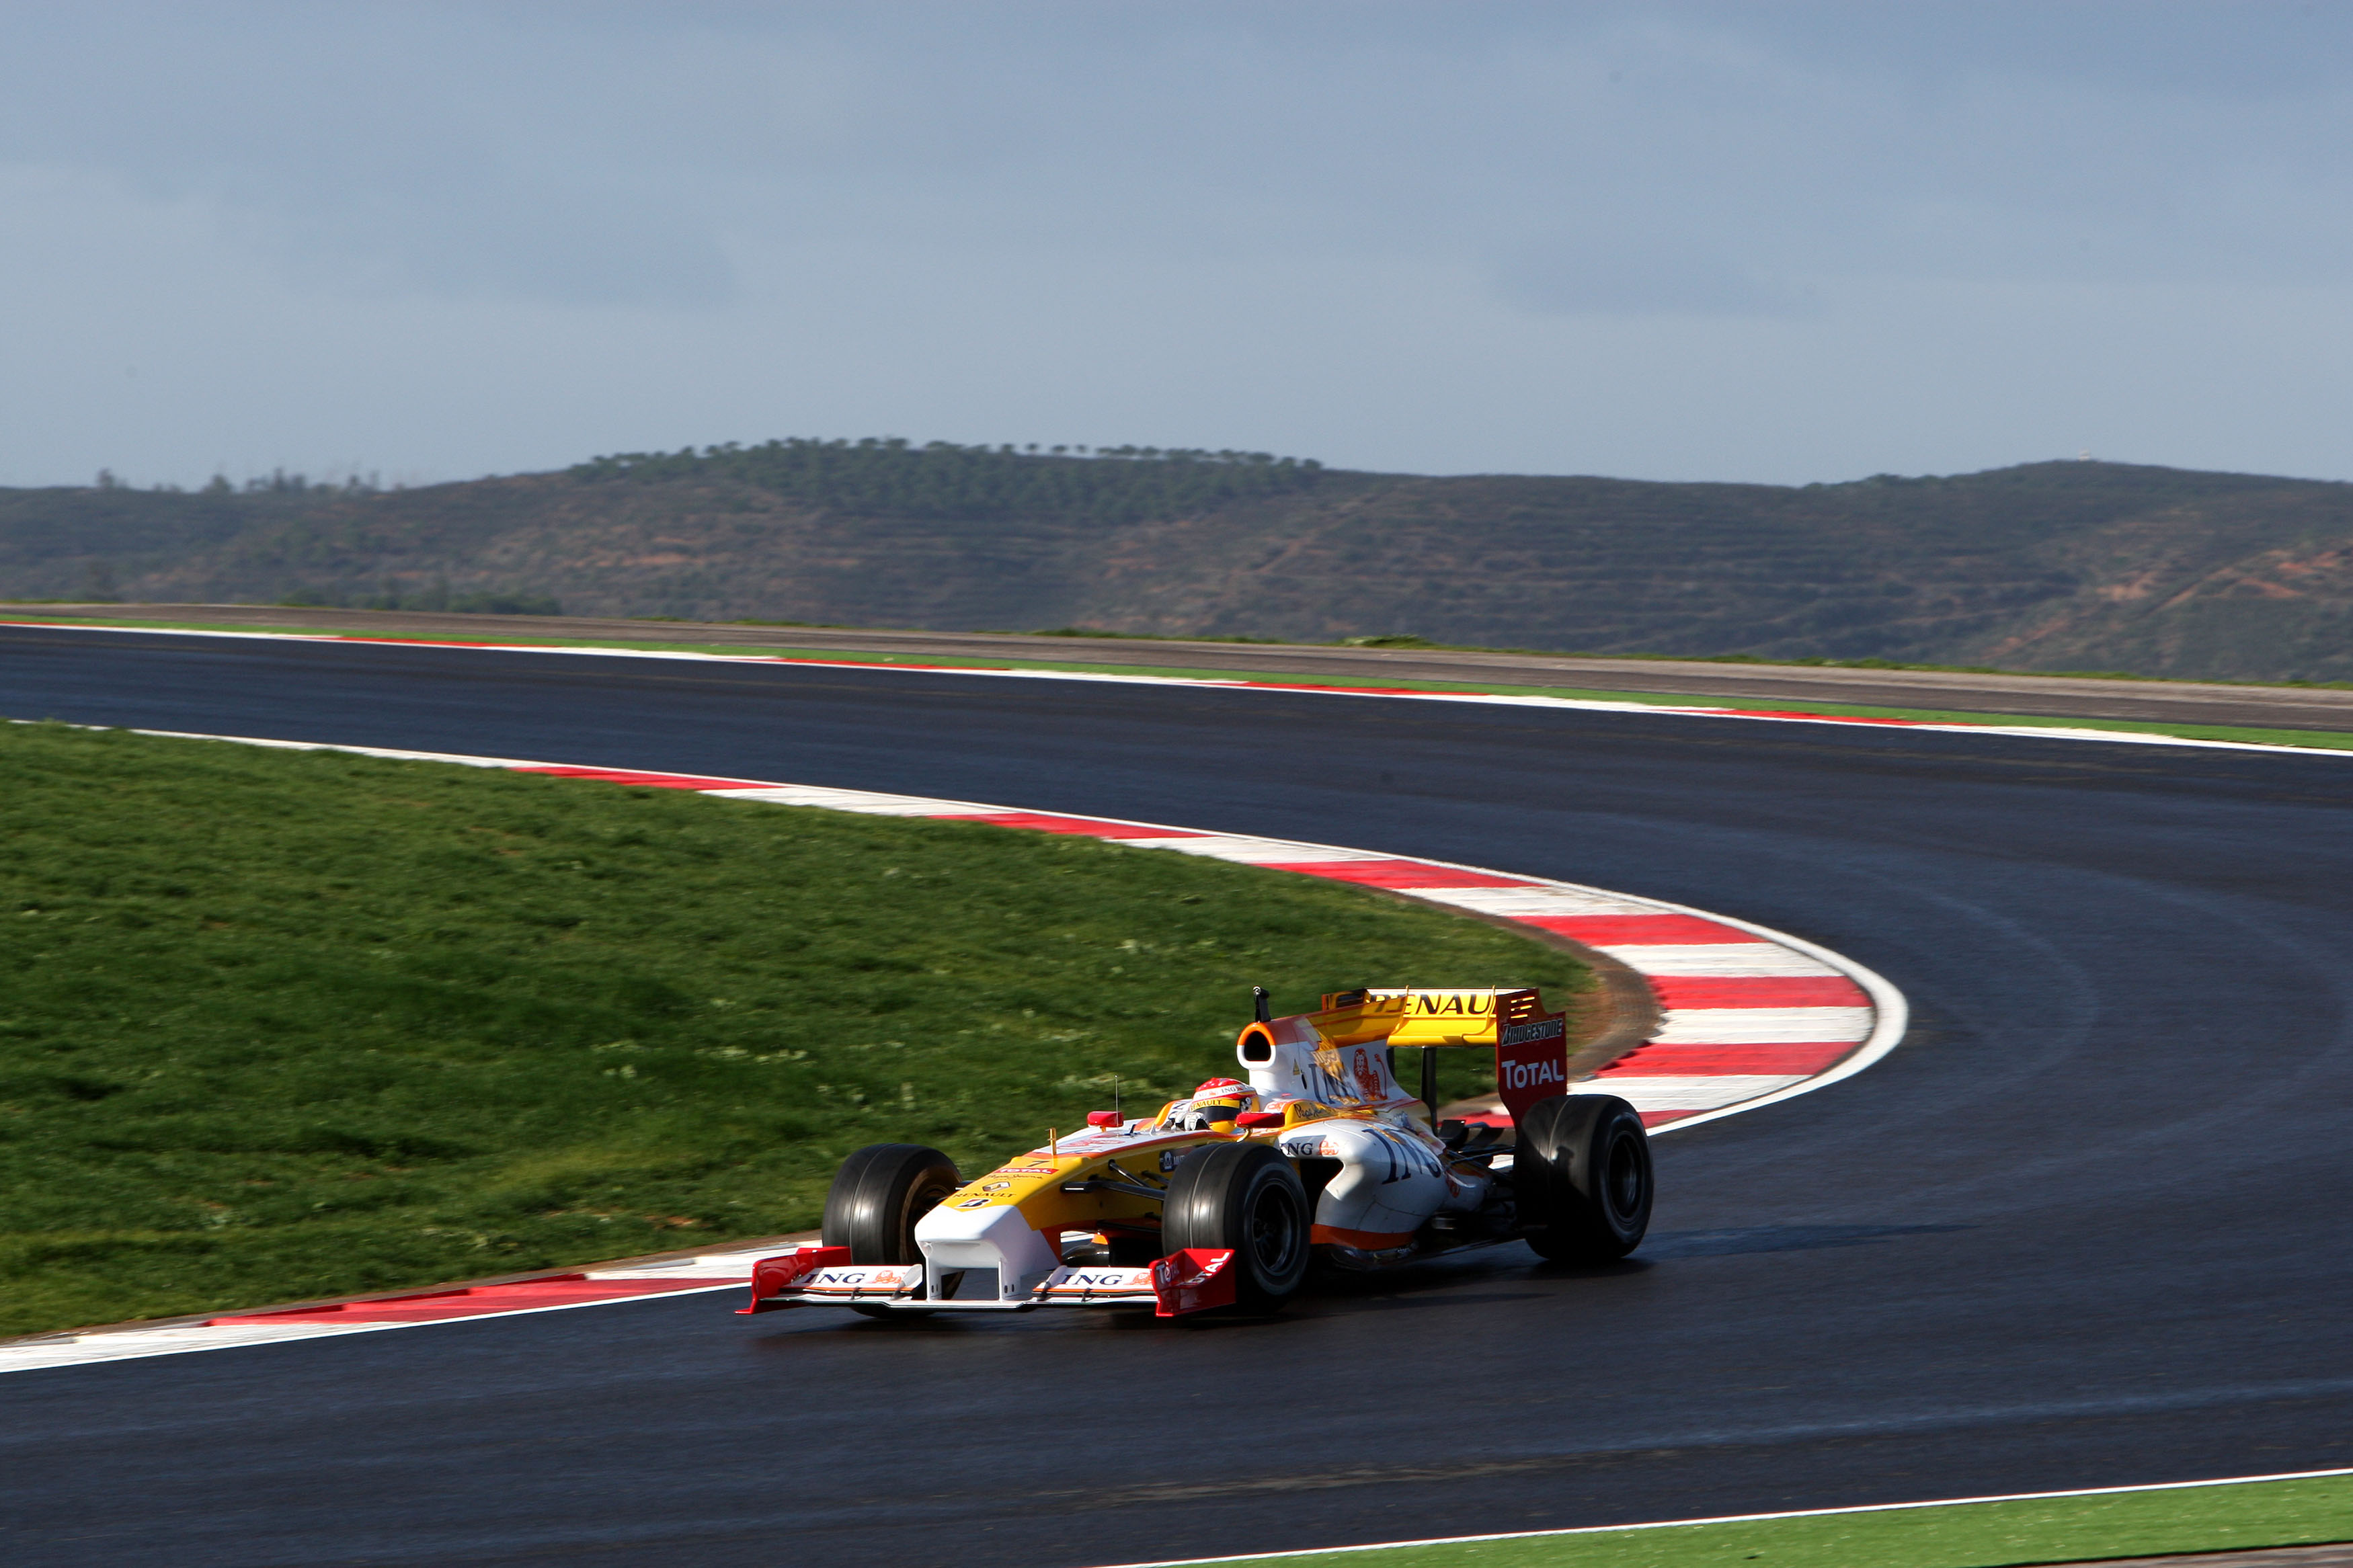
x=1967 y=1535
x=281 y=1025
x=2309 y=740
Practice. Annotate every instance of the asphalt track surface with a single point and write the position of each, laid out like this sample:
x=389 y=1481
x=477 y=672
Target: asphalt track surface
x=2087 y=1227
x=1800 y=686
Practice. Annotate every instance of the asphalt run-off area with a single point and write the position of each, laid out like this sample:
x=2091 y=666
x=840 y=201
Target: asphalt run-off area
x=2084 y=1229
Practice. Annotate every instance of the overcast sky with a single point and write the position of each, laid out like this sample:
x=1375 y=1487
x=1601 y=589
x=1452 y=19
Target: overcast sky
x=1736 y=241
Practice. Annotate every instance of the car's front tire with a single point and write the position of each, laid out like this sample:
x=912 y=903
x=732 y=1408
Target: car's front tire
x=875 y=1200
x=1582 y=1168
x=1247 y=1197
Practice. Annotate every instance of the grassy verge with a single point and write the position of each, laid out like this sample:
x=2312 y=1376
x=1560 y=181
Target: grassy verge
x=281 y=1025
x=1967 y=1535
x=2311 y=740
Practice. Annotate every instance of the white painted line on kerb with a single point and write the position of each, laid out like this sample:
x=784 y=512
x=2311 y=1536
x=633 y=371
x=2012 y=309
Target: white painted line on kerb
x=1763 y=1026
x=1716 y=960
x=1241 y=683
x=1736 y=1518
x=137 y=1344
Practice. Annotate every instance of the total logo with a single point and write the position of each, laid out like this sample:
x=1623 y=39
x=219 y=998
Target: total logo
x=1528 y=1075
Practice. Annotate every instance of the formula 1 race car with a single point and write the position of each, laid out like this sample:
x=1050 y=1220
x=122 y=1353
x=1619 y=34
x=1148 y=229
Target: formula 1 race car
x=1224 y=1198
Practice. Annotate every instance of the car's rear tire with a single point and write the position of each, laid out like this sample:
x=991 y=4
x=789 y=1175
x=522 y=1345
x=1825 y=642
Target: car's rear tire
x=1582 y=1169
x=1245 y=1197
x=875 y=1200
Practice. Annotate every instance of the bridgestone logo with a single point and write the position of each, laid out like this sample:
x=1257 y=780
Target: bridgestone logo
x=1523 y=1033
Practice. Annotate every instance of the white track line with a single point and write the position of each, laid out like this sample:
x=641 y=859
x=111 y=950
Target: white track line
x=1740 y=1519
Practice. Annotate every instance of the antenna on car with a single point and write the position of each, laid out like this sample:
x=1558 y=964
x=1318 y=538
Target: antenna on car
x=1261 y=1005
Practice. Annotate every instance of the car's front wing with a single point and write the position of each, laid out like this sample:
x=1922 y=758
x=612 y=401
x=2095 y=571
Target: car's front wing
x=1193 y=1280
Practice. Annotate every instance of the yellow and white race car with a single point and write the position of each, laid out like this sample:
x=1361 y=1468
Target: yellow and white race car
x=1225 y=1197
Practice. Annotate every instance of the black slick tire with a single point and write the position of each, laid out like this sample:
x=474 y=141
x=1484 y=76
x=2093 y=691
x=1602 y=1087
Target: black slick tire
x=1245 y=1197
x=876 y=1198
x=1582 y=1170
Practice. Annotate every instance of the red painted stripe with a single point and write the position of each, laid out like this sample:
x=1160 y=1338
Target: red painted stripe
x=1703 y=1060
x=478 y=1302
x=1357 y=690
x=1398 y=874
x=1643 y=930
x=1093 y=827
x=1679 y=992
x=655 y=780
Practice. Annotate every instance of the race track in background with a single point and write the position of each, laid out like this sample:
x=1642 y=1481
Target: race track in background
x=2085 y=1227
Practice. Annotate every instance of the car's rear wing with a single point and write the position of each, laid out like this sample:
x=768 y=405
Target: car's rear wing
x=1531 y=1045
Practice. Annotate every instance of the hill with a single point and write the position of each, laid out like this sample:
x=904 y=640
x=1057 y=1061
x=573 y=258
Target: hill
x=2063 y=565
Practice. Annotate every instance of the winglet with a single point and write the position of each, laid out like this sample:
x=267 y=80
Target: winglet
x=772 y=1276
x=1193 y=1280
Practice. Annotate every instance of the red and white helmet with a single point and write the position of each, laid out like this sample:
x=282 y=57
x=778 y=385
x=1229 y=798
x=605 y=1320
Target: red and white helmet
x=1219 y=1099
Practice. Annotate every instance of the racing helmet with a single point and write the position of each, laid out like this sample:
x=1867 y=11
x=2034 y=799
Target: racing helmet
x=1219 y=1099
